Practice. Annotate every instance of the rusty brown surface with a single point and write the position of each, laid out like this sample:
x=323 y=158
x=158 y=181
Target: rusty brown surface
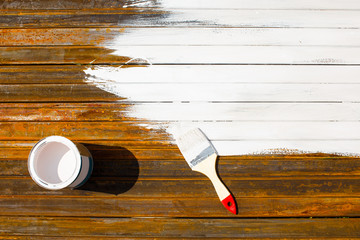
x=58 y=36
x=65 y=4
x=141 y=186
x=184 y=228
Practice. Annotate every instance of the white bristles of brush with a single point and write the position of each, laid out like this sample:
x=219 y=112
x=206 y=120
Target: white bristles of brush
x=195 y=147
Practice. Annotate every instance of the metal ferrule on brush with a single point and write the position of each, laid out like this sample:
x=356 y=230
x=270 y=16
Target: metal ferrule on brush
x=202 y=156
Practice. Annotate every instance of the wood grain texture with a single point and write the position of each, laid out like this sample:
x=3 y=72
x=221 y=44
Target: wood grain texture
x=111 y=111
x=57 y=36
x=177 y=36
x=182 y=55
x=180 y=207
x=193 y=187
x=185 y=4
x=167 y=162
x=54 y=93
x=143 y=17
x=276 y=74
x=236 y=74
x=59 y=55
x=183 y=228
x=149 y=93
x=54 y=4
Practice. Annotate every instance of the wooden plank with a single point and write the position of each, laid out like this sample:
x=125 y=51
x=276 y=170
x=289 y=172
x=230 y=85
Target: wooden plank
x=223 y=131
x=192 y=4
x=154 y=164
x=188 y=187
x=117 y=37
x=102 y=142
x=54 y=93
x=214 y=92
x=59 y=55
x=182 y=55
x=182 y=228
x=236 y=74
x=163 y=112
x=58 y=36
x=65 y=4
x=196 y=74
x=92 y=112
x=86 y=18
x=282 y=146
x=248 y=4
x=103 y=151
x=181 y=18
x=43 y=74
x=79 y=131
x=241 y=54
x=290 y=130
x=105 y=90
x=236 y=111
x=179 y=207
x=245 y=137
x=232 y=36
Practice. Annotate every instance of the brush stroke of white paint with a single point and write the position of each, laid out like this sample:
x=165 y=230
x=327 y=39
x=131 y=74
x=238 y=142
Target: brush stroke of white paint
x=241 y=127
x=246 y=4
x=259 y=4
x=245 y=109
x=174 y=36
x=251 y=18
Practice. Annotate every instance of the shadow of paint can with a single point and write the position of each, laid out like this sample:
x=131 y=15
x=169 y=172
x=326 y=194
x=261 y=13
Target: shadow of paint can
x=55 y=163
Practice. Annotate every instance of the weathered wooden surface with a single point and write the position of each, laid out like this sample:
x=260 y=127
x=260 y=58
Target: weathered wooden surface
x=275 y=75
x=183 y=228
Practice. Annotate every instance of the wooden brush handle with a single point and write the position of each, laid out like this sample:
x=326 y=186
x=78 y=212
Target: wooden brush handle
x=209 y=170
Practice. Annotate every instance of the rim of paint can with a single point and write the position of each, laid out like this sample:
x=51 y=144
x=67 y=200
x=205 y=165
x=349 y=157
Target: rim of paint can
x=39 y=148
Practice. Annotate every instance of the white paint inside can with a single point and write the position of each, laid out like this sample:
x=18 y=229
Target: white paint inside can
x=55 y=163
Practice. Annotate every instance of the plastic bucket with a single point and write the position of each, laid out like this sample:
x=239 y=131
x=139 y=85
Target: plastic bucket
x=55 y=162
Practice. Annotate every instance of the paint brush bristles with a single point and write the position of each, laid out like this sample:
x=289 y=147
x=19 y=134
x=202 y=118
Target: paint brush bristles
x=195 y=147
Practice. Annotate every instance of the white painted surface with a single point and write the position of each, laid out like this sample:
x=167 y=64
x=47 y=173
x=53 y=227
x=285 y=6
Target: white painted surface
x=259 y=4
x=258 y=146
x=236 y=74
x=177 y=36
x=250 y=112
x=242 y=54
x=249 y=18
x=244 y=107
x=230 y=92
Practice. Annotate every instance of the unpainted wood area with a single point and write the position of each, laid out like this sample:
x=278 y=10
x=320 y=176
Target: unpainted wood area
x=274 y=85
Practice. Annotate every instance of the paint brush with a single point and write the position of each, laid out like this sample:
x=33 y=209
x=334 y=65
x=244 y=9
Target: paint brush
x=201 y=156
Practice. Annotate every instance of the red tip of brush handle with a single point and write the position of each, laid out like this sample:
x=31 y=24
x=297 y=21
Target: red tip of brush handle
x=230 y=204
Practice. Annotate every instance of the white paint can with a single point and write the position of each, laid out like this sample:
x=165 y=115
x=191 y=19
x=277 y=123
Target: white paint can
x=55 y=162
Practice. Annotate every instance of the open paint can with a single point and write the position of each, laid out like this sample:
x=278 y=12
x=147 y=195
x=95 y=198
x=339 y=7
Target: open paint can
x=56 y=162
